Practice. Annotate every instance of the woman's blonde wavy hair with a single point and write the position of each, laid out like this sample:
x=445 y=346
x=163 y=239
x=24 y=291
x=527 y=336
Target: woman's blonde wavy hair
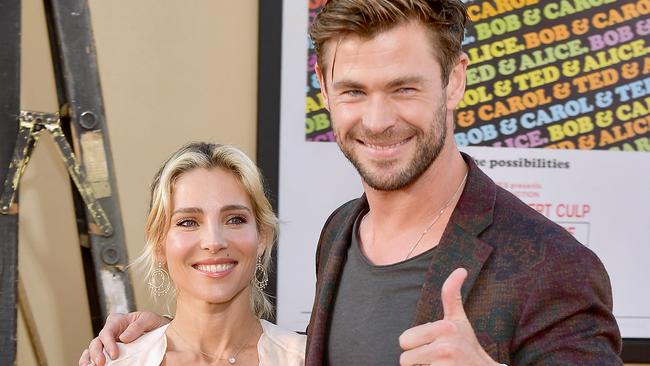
x=207 y=156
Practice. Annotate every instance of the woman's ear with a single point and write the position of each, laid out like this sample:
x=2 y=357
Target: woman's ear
x=457 y=82
x=160 y=256
x=263 y=240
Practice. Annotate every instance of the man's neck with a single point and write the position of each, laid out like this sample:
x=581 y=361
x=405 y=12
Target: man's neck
x=399 y=219
x=427 y=194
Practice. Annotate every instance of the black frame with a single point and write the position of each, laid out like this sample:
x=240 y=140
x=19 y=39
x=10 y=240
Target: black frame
x=268 y=135
x=636 y=350
x=268 y=110
x=10 y=22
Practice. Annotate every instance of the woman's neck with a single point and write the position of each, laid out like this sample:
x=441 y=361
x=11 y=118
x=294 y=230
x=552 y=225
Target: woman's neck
x=219 y=330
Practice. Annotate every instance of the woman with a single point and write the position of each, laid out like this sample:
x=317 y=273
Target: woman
x=209 y=236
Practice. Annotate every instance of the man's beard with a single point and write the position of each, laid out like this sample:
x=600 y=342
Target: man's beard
x=428 y=147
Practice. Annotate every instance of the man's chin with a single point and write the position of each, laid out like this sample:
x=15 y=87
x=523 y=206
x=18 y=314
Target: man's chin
x=391 y=175
x=386 y=182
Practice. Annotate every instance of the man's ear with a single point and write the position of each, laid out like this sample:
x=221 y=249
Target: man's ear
x=457 y=82
x=323 y=87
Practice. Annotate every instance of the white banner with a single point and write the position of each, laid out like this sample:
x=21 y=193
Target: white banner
x=601 y=197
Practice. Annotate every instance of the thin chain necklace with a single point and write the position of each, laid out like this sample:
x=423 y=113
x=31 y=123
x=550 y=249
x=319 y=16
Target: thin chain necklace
x=435 y=219
x=231 y=360
x=438 y=216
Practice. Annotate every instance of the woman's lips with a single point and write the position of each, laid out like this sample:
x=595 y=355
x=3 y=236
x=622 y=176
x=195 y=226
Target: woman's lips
x=215 y=269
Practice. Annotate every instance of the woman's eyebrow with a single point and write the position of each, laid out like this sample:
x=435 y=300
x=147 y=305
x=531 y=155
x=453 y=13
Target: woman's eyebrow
x=188 y=210
x=235 y=208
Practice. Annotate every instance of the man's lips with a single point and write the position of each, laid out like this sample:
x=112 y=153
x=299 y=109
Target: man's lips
x=384 y=146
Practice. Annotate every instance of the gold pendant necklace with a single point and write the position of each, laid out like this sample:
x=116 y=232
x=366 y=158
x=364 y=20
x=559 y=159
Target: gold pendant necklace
x=231 y=360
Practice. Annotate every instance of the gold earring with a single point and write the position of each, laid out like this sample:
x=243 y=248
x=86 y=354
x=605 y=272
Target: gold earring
x=261 y=278
x=159 y=282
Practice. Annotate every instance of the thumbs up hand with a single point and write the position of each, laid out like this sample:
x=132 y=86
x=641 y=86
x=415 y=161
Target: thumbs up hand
x=450 y=341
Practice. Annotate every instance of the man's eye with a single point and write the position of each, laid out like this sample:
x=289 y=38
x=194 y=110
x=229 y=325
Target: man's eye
x=187 y=223
x=406 y=90
x=236 y=220
x=353 y=93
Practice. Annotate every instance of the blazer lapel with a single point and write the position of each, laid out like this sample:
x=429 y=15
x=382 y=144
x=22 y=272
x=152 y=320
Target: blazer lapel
x=459 y=245
x=328 y=282
x=457 y=249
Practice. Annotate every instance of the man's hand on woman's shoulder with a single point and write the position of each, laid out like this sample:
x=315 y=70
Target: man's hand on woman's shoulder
x=119 y=327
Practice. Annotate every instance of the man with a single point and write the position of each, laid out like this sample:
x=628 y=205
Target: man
x=435 y=264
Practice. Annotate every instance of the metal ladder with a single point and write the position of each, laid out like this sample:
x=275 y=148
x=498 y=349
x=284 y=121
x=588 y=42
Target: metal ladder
x=80 y=133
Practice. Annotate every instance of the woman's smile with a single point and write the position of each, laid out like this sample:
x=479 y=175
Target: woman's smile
x=215 y=270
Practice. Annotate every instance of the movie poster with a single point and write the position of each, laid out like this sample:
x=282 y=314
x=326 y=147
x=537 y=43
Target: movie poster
x=557 y=111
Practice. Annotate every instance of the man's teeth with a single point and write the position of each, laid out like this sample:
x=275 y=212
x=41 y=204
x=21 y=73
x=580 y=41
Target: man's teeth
x=214 y=267
x=385 y=147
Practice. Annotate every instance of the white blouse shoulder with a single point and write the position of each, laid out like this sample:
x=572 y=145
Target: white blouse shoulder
x=276 y=346
x=279 y=346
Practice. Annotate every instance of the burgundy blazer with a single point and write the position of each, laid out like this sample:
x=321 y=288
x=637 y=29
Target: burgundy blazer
x=534 y=295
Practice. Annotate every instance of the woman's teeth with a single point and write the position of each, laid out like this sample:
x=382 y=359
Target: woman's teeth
x=214 y=268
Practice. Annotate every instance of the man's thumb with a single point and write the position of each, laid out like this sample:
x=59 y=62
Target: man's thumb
x=452 y=300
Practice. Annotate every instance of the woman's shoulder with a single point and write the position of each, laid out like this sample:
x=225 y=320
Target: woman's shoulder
x=281 y=346
x=146 y=350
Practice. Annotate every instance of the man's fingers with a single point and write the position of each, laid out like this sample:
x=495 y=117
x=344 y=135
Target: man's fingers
x=105 y=340
x=426 y=333
x=140 y=323
x=84 y=360
x=132 y=332
x=438 y=352
x=95 y=353
x=114 y=326
x=416 y=356
x=452 y=300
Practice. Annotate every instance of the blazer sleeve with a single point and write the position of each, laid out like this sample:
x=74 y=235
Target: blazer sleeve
x=322 y=249
x=567 y=318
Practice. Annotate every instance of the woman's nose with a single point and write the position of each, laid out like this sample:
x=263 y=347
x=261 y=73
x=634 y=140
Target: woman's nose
x=212 y=238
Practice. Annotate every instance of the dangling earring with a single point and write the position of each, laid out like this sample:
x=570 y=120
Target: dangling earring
x=261 y=278
x=159 y=282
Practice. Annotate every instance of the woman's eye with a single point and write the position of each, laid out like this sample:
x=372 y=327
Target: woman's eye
x=187 y=223
x=236 y=220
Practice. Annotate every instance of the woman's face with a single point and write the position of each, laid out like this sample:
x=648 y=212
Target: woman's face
x=213 y=243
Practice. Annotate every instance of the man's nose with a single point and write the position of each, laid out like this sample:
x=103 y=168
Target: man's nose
x=379 y=114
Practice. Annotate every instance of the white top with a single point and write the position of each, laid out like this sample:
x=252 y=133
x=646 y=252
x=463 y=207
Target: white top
x=277 y=346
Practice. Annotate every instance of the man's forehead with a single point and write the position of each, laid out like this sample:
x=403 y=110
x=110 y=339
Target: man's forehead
x=356 y=50
x=391 y=52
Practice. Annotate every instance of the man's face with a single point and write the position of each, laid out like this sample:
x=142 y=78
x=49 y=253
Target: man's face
x=388 y=106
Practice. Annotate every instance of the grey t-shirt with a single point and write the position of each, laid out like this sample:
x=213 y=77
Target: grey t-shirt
x=373 y=306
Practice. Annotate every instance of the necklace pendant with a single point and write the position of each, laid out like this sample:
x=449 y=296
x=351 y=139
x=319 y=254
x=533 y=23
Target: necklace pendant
x=232 y=360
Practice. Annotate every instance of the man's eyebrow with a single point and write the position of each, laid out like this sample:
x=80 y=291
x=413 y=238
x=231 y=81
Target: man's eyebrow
x=395 y=83
x=406 y=80
x=347 y=84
